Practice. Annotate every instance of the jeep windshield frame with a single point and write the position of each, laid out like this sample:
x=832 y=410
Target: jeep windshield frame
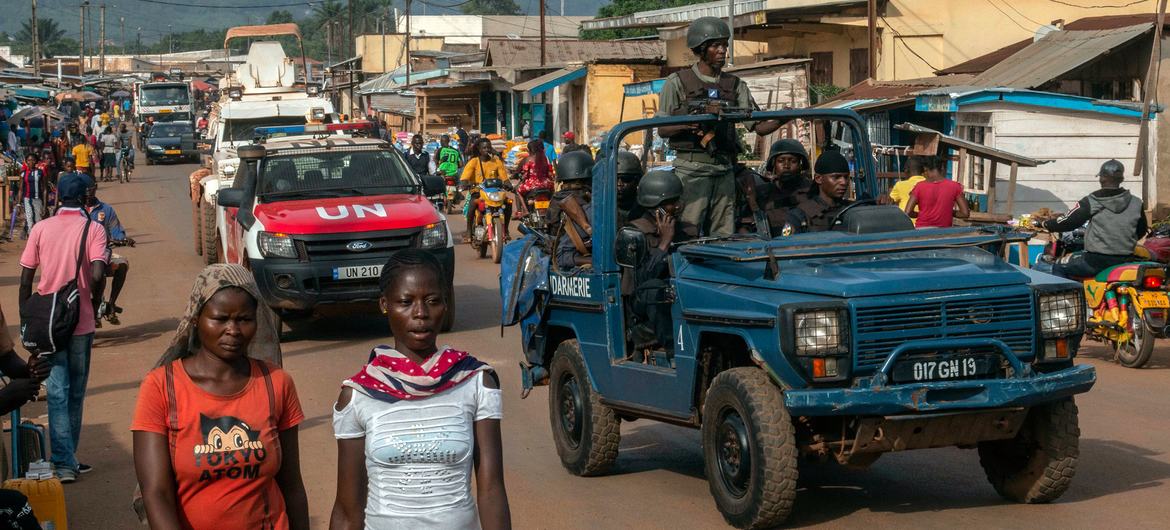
x=299 y=174
x=605 y=170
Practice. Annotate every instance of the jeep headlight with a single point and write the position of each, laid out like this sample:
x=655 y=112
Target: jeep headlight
x=277 y=245
x=433 y=236
x=227 y=168
x=818 y=332
x=1061 y=313
x=495 y=196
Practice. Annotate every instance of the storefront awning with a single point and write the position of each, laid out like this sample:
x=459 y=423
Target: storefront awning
x=549 y=81
x=645 y=88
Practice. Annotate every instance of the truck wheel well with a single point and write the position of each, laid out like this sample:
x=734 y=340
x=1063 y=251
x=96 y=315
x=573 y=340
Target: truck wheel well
x=555 y=336
x=718 y=352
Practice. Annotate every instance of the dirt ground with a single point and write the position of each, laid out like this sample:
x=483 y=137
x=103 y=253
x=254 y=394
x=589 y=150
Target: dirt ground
x=659 y=479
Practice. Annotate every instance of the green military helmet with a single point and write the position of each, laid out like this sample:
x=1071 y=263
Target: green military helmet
x=574 y=165
x=628 y=164
x=657 y=187
x=706 y=29
x=787 y=146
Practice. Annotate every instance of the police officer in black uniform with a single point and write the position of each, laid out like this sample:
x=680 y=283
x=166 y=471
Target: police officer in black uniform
x=816 y=213
x=706 y=155
x=783 y=186
x=660 y=195
x=629 y=173
x=575 y=173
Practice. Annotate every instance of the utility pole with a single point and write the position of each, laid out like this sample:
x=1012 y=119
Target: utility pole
x=872 y=39
x=36 y=43
x=328 y=43
x=102 y=43
x=138 y=42
x=383 y=29
x=122 y=39
x=170 y=38
x=407 y=41
x=542 y=32
x=351 y=45
x=1149 y=92
x=81 y=49
x=731 y=27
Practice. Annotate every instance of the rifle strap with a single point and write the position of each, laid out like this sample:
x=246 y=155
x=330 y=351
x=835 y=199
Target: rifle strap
x=575 y=237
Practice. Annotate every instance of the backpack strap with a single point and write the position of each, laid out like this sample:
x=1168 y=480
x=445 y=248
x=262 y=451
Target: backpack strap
x=271 y=391
x=172 y=407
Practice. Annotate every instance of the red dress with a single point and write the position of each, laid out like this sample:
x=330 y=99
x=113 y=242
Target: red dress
x=529 y=180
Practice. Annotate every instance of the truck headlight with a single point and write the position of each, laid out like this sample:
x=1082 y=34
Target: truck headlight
x=818 y=332
x=277 y=245
x=1061 y=313
x=433 y=236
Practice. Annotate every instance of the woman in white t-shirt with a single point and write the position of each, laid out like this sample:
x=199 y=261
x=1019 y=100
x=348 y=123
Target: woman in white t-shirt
x=109 y=144
x=416 y=422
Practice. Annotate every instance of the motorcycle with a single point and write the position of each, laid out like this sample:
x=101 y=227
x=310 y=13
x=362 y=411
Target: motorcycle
x=453 y=194
x=536 y=204
x=441 y=201
x=488 y=232
x=1128 y=304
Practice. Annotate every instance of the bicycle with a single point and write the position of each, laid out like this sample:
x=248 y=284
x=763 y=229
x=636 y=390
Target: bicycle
x=126 y=168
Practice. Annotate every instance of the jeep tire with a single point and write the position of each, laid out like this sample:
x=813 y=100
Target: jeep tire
x=1037 y=465
x=586 y=432
x=209 y=233
x=749 y=449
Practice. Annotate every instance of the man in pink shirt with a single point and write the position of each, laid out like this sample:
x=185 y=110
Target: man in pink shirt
x=53 y=246
x=937 y=198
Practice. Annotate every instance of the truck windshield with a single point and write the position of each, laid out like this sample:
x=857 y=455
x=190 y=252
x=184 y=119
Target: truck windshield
x=245 y=130
x=333 y=174
x=168 y=95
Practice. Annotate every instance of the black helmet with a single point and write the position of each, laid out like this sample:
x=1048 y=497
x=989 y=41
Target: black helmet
x=574 y=165
x=628 y=164
x=705 y=29
x=787 y=146
x=657 y=187
x=1112 y=170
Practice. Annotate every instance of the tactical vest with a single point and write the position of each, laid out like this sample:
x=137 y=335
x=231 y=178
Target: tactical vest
x=696 y=90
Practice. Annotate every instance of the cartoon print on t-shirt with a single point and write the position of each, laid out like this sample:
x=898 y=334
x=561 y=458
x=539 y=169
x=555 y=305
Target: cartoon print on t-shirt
x=226 y=433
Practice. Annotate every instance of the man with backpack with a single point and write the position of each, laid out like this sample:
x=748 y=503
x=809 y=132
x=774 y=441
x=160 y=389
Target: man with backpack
x=66 y=248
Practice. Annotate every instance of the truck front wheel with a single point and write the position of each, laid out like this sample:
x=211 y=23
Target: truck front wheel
x=209 y=233
x=749 y=449
x=586 y=432
x=1037 y=465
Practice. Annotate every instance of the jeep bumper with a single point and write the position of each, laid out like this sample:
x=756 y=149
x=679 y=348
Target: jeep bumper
x=861 y=400
x=298 y=285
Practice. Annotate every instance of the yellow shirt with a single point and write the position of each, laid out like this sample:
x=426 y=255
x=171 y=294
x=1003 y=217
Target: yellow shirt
x=477 y=170
x=82 y=154
x=901 y=191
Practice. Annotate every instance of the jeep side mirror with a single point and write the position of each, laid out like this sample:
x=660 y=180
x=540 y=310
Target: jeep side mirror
x=433 y=185
x=230 y=197
x=630 y=247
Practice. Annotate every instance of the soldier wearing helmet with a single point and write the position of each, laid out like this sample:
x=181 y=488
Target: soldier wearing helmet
x=705 y=164
x=660 y=194
x=573 y=207
x=784 y=185
x=1116 y=222
x=629 y=173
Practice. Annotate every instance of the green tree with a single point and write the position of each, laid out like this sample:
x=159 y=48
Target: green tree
x=490 y=7
x=48 y=31
x=280 y=16
x=617 y=8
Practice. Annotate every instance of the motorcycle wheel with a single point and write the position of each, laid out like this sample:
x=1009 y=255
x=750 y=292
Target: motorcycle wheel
x=497 y=244
x=483 y=244
x=1136 y=352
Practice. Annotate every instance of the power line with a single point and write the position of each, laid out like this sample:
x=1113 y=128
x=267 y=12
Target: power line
x=907 y=45
x=1013 y=8
x=1009 y=17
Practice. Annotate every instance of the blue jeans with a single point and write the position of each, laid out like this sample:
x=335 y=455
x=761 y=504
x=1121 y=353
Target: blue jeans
x=66 y=389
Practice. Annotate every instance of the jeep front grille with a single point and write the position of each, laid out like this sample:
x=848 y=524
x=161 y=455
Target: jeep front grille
x=879 y=328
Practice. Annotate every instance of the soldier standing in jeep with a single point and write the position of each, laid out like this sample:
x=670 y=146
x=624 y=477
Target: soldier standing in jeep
x=816 y=214
x=706 y=158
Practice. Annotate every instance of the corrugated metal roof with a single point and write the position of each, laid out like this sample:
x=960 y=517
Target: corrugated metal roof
x=547 y=81
x=1057 y=53
x=517 y=53
x=871 y=94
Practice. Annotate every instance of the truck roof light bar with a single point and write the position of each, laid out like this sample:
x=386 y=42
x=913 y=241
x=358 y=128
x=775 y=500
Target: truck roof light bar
x=292 y=130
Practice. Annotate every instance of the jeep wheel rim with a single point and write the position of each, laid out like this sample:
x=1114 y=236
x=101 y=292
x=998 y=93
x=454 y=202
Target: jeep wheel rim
x=733 y=453
x=571 y=410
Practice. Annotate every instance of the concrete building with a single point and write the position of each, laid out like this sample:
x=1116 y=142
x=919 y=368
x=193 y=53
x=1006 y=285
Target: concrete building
x=476 y=29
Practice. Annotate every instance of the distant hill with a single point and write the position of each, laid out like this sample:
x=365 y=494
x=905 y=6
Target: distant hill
x=153 y=18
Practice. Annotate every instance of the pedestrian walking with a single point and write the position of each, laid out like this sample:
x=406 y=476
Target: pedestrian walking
x=32 y=190
x=83 y=156
x=934 y=201
x=109 y=146
x=59 y=247
x=417 y=421
x=215 y=428
x=707 y=169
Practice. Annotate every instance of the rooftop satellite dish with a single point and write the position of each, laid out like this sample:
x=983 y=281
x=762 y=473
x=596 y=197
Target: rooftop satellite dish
x=1043 y=31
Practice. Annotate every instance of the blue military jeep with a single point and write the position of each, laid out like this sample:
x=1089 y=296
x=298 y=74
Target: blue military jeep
x=838 y=345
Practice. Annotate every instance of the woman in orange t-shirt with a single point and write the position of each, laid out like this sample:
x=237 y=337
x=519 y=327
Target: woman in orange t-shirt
x=215 y=428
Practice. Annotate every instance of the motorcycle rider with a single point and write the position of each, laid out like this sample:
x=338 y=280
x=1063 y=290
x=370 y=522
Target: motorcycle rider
x=816 y=213
x=447 y=158
x=784 y=185
x=119 y=266
x=660 y=193
x=417 y=157
x=1116 y=221
x=629 y=173
x=485 y=165
x=573 y=207
x=706 y=164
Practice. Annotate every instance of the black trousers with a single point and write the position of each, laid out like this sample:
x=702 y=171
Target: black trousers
x=1080 y=265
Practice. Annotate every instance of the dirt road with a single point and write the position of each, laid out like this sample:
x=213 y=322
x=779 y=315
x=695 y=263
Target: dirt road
x=659 y=480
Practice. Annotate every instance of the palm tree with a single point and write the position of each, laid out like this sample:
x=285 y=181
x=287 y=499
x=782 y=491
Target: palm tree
x=48 y=32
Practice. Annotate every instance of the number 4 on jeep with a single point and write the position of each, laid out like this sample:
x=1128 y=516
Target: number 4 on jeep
x=838 y=345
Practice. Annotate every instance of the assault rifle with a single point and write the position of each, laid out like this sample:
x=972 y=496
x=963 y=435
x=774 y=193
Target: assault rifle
x=718 y=108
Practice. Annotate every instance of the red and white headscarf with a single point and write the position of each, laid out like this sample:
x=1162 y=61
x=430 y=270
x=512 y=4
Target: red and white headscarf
x=391 y=376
